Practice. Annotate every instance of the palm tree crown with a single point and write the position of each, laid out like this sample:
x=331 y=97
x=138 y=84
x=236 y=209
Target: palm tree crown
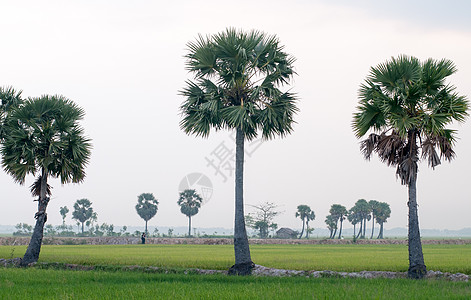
x=44 y=136
x=409 y=104
x=237 y=76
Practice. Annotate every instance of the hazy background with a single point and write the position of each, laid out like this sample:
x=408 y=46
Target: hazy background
x=123 y=62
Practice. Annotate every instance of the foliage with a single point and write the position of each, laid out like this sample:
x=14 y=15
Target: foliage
x=9 y=100
x=146 y=206
x=44 y=135
x=23 y=229
x=189 y=202
x=262 y=219
x=237 y=75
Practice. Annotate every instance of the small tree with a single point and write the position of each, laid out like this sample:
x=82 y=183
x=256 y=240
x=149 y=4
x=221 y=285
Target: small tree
x=83 y=212
x=262 y=220
x=146 y=207
x=190 y=203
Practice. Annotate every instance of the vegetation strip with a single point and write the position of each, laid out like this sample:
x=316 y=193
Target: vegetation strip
x=257 y=271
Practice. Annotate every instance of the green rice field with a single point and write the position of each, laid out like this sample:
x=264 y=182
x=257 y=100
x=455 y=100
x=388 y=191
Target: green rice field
x=445 y=258
x=36 y=283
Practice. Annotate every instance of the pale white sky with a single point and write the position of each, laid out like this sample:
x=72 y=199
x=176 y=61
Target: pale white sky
x=122 y=61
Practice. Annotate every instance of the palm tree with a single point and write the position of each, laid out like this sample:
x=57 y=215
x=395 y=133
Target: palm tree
x=374 y=207
x=362 y=209
x=190 y=203
x=303 y=211
x=354 y=218
x=311 y=216
x=236 y=86
x=331 y=222
x=383 y=213
x=83 y=212
x=146 y=207
x=45 y=137
x=406 y=104
x=338 y=213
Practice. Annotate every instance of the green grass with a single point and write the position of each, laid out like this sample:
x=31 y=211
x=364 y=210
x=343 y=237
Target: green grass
x=445 y=258
x=59 y=284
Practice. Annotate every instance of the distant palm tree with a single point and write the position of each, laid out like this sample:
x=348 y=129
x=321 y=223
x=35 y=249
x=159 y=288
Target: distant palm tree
x=83 y=212
x=338 y=213
x=44 y=137
x=146 y=207
x=237 y=80
x=303 y=211
x=331 y=222
x=190 y=203
x=383 y=213
x=362 y=211
x=374 y=207
x=311 y=216
x=354 y=218
x=407 y=104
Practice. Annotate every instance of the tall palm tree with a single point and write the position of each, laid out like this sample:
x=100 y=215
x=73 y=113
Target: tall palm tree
x=190 y=203
x=44 y=139
x=302 y=213
x=374 y=207
x=406 y=104
x=383 y=213
x=237 y=83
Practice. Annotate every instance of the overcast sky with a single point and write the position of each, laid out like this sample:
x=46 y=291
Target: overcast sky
x=122 y=61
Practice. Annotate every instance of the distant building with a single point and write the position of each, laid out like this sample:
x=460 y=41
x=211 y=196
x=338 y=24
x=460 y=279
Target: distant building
x=286 y=233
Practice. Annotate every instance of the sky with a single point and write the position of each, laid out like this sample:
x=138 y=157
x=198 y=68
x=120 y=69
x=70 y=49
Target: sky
x=123 y=63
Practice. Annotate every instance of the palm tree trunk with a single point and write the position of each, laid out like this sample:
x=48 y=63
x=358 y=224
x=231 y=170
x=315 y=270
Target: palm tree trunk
x=372 y=225
x=307 y=229
x=335 y=233
x=189 y=226
x=364 y=228
x=354 y=229
x=243 y=262
x=34 y=247
x=417 y=268
x=146 y=228
x=340 y=231
x=380 y=235
x=82 y=227
x=302 y=231
x=361 y=228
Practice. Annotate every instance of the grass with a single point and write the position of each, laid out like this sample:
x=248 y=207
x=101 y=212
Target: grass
x=445 y=258
x=59 y=284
